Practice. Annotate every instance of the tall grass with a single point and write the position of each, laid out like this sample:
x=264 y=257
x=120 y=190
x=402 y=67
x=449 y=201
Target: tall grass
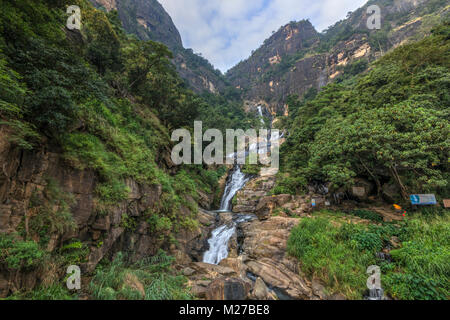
x=151 y=279
x=339 y=253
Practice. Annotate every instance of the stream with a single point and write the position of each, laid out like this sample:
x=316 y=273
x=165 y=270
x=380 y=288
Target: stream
x=218 y=243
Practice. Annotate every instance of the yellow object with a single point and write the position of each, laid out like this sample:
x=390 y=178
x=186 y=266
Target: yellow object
x=397 y=207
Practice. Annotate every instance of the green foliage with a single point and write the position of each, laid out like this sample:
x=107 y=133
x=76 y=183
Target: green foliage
x=74 y=253
x=251 y=169
x=315 y=243
x=289 y=185
x=339 y=253
x=17 y=254
x=52 y=215
x=422 y=261
x=12 y=95
x=391 y=122
x=120 y=280
x=57 y=291
x=367 y=214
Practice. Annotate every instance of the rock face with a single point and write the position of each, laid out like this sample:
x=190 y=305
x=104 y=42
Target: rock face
x=297 y=58
x=265 y=257
x=248 y=198
x=228 y=289
x=24 y=176
x=148 y=20
x=262 y=271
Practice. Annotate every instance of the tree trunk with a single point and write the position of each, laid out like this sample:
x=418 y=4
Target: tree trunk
x=403 y=189
x=377 y=181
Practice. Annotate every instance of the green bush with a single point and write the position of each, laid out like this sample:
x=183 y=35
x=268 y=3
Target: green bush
x=315 y=243
x=155 y=275
x=74 y=253
x=57 y=291
x=367 y=214
x=18 y=254
x=339 y=253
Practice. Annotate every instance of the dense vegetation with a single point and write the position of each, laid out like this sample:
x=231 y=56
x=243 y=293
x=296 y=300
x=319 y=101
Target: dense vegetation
x=338 y=253
x=388 y=125
x=148 y=279
x=107 y=102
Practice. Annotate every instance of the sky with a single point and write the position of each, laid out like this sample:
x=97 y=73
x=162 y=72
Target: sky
x=226 y=31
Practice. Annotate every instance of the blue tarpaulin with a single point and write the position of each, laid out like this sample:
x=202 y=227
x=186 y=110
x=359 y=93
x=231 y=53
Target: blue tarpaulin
x=423 y=199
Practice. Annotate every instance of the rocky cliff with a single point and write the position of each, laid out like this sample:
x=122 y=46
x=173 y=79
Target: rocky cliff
x=148 y=20
x=297 y=58
x=27 y=201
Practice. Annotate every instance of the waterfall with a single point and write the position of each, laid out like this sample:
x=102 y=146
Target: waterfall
x=218 y=243
x=261 y=116
x=234 y=184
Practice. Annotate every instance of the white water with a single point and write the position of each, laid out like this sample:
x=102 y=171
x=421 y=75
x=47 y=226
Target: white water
x=218 y=243
x=236 y=183
x=261 y=116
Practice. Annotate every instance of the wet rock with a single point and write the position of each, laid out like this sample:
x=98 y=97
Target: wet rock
x=211 y=271
x=260 y=290
x=228 y=289
x=279 y=276
x=188 y=272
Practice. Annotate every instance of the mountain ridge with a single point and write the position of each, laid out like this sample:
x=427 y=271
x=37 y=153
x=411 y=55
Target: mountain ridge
x=148 y=20
x=269 y=77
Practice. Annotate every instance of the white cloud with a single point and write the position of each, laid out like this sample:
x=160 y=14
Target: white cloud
x=226 y=31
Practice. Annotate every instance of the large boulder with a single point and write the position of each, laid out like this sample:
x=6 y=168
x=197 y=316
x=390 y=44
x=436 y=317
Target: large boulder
x=278 y=276
x=391 y=192
x=361 y=189
x=260 y=290
x=265 y=207
x=267 y=238
x=228 y=289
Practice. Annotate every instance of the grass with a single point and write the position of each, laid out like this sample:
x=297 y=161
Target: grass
x=56 y=291
x=339 y=253
x=148 y=279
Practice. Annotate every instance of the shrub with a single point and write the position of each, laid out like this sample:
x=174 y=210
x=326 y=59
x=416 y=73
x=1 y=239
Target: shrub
x=315 y=243
x=56 y=291
x=158 y=282
x=17 y=254
x=367 y=214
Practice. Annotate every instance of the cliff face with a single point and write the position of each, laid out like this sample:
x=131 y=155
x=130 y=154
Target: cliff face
x=148 y=20
x=297 y=57
x=24 y=179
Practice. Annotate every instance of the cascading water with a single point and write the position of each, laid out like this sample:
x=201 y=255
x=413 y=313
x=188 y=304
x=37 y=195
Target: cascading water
x=235 y=183
x=261 y=116
x=218 y=243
